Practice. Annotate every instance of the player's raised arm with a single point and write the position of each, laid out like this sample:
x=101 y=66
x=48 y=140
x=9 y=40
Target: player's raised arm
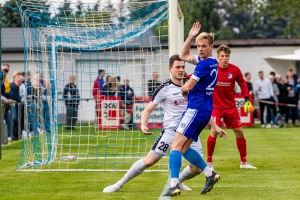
x=145 y=116
x=185 y=51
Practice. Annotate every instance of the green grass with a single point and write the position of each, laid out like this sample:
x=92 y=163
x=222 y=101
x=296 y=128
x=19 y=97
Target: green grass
x=274 y=151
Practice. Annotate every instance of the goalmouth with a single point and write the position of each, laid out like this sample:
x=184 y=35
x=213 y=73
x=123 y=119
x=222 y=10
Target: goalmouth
x=129 y=41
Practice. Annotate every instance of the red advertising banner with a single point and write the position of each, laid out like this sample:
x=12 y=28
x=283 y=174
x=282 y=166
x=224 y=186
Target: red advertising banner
x=246 y=118
x=109 y=112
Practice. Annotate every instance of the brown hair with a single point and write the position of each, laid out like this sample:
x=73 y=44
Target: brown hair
x=173 y=58
x=225 y=48
x=246 y=74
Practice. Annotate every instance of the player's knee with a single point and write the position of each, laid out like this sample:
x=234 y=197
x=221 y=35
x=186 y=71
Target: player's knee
x=149 y=162
x=213 y=133
x=194 y=170
x=239 y=132
x=150 y=159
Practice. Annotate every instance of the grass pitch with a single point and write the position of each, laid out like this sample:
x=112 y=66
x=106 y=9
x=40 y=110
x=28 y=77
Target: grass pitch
x=274 y=151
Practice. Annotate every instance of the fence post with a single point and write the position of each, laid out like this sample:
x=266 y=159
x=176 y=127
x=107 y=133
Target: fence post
x=19 y=120
x=11 y=122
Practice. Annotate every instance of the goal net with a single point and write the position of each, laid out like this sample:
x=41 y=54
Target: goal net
x=109 y=52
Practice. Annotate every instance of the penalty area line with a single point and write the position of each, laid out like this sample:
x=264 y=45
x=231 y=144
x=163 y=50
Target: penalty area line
x=161 y=197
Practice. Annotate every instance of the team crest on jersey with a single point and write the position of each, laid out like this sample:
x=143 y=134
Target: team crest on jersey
x=229 y=76
x=182 y=125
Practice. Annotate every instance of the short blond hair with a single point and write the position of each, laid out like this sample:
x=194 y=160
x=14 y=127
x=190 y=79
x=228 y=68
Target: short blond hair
x=204 y=35
x=15 y=74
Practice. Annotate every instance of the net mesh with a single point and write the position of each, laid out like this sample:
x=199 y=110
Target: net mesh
x=78 y=129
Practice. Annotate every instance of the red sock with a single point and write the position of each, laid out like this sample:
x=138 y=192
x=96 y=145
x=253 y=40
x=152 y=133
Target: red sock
x=241 y=145
x=211 y=143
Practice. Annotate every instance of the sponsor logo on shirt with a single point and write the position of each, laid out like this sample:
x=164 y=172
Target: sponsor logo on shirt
x=182 y=125
x=229 y=76
x=180 y=102
x=175 y=93
x=221 y=83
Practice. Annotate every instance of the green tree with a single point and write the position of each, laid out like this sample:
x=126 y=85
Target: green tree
x=204 y=11
x=287 y=10
x=11 y=17
x=64 y=13
x=248 y=22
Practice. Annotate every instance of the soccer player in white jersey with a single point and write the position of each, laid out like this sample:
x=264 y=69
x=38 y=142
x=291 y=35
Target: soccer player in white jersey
x=198 y=90
x=168 y=93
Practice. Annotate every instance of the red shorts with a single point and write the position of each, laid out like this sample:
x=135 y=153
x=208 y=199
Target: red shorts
x=230 y=116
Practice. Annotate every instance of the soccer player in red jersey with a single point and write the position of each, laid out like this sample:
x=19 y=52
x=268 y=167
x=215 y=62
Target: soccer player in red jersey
x=224 y=105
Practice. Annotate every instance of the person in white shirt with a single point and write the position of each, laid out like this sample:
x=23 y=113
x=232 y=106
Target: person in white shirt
x=264 y=91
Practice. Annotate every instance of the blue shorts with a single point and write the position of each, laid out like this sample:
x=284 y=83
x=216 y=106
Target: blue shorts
x=193 y=122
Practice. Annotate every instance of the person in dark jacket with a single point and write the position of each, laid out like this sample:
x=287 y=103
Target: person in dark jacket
x=15 y=96
x=127 y=94
x=282 y=99
x=293 y=96
x=71 y=96
x=153 y=84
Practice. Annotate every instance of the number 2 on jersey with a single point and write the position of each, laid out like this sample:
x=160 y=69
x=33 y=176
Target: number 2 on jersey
x=209 y=87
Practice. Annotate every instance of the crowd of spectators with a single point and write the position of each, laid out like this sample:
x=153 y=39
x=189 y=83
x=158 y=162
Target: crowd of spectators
x=16 y=93
x=279 y=95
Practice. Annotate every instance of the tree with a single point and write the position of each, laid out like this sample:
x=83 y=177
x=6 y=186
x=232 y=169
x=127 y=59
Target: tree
x=65 y=13
x=287 y=11
x=11 y=17
x=206 y=12
x=248 y=22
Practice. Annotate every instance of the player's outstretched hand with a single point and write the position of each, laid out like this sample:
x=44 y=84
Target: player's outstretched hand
x=221 y=132
x=144 y=129
x=195 y=29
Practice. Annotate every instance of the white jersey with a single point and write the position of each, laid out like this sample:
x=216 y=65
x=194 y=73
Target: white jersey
x=174 y=103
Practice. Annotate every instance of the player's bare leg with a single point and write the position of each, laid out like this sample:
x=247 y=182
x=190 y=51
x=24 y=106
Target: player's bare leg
x=242 y=147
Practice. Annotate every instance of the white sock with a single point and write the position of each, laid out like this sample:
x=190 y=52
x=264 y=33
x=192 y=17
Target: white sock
x=207 y=171
x=136 y=169
x=174 y=182
x=186 y=174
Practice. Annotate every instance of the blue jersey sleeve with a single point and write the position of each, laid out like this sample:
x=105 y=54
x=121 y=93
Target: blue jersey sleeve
x=200 y=71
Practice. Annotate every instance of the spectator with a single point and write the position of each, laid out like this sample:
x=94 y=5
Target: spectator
x=97 y=88
x=5 y=91
x=272 y=73
x=98 y=83
x=249 y=84
x=71 y=96
x=40 y=92
x=153 y=83
x=127 y=95
x=293 y=96
x=3 y=98
x=29 y=103
x=282 y=99
x=111 y=87
x=275 y=100
x=264 y=90
x=297 y=91
x=22 y=92
x=14 y=94
x=105 y=88
x=115 y=87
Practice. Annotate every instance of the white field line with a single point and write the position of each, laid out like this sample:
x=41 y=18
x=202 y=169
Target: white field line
x=161 y=197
